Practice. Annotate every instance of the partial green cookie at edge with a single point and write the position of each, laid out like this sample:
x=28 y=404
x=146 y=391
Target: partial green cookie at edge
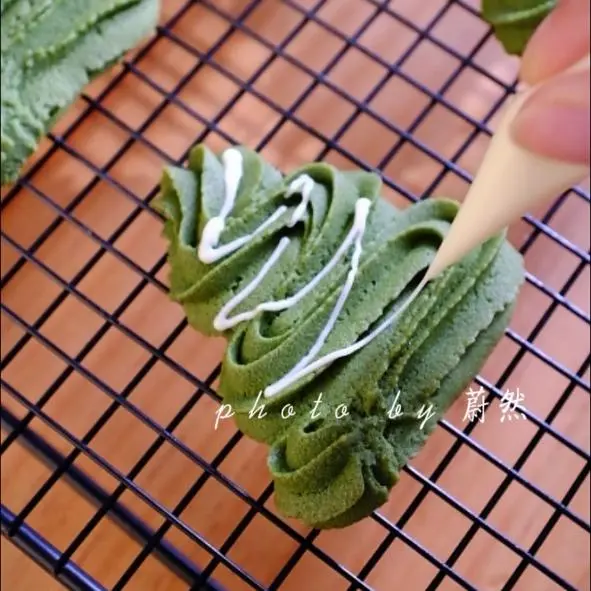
x=515 y=21
x=50 y=49
x=331 y=471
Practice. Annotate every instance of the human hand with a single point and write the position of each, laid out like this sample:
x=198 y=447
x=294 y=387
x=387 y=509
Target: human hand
x=555 y=119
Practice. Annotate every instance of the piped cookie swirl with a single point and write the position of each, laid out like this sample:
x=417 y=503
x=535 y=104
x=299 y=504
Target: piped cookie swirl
x=313 y=280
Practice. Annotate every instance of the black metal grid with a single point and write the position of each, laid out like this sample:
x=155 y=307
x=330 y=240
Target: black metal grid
x=64 y=466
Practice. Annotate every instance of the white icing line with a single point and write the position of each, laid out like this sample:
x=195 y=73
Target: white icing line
x=304 y=185
x=226 y=249
x=209 y=252
x=355 y=234
x=288 y=380
x=221 y=322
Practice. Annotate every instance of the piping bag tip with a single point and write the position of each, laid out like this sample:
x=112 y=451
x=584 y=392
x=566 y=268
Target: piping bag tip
x=510 y=181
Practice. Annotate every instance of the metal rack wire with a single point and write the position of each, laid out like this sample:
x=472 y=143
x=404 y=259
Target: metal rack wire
x=19 y=427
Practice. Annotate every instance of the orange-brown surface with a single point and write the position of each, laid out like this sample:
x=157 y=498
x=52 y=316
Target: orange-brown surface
x=118 y=152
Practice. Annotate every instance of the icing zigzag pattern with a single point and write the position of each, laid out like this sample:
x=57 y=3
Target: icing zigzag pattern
x=336 y=443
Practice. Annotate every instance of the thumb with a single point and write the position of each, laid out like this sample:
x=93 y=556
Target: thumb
x=555 y=119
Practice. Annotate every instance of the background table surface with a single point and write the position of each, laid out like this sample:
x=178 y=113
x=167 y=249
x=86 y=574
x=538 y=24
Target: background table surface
x=215 y=511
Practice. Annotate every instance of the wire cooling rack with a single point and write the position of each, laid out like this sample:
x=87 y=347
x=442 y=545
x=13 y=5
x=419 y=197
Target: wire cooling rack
x=112 y=474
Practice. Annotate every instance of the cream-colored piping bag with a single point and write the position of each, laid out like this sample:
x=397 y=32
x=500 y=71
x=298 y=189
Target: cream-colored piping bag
x=509 y=182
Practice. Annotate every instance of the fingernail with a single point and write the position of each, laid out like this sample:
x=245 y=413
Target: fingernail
x=555 y=119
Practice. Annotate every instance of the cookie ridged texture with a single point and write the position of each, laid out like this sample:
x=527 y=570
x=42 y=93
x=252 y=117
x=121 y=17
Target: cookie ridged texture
x=328 y=471
x=50 y=50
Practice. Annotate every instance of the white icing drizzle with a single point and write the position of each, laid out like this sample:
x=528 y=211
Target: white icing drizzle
x=291 y=377
x=303 y=185
x=209 y=252
x=355 y=235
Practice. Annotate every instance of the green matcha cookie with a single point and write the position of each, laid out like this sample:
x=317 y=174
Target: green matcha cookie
x=50 y=51
x=515 y=21
x=308 y=277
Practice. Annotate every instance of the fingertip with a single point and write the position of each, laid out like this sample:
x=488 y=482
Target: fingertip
x=555 y=120
x=560 y=41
